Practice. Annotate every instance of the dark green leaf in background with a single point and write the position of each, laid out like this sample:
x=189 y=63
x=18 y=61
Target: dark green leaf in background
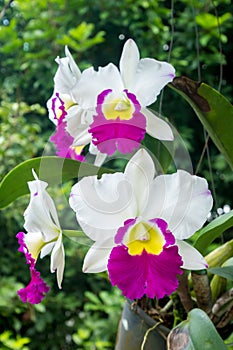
x=213 y=230
x=214 y=111
x=226 y=271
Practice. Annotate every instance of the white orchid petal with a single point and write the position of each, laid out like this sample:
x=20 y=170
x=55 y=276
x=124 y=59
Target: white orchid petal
x=96 y=259
x=92 y=83
x=100 y=158
x=73 y=66
x=140 y=171
x=77 y=117
x=157 y=127
x=82 y=139
x=192 y=259
x=38 y=188
x=103 y=205
x=58 y=260
x=93 y=149
x=61 y=267
x=46 y=249
x=150 y=79
x=64 y=78
x=182 y=200
x=78 y=122
x=41 y=215
x=128 y=62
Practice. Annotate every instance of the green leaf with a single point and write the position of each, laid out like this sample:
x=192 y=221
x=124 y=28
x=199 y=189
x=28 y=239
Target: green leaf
x=220 y=255
x=209 y=21
x=203 y=333
x=179 y=339
x=213 y=230
x=218 y=283
x=197 y=332
x=226 y=272
x=214 y=111
x=53 y=170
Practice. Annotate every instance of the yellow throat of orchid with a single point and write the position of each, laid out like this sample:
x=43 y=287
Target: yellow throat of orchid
x=77 y=149
x=35 y=242
x=145 y=236
x=116 y=106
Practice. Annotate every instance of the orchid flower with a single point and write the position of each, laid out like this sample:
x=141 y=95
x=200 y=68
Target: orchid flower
x=44 y=236
x=116 y=100
x=138 y=222
x=61 y=102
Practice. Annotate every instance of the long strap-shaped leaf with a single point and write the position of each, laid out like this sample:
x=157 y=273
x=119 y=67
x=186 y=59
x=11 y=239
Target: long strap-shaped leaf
x=214 y=111
x=214 y=229
x=53 y=170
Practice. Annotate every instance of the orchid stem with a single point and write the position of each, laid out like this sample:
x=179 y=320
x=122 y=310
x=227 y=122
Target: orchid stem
x=202 y=290
x=184 y=292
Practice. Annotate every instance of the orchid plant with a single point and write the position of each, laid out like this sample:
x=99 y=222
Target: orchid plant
x=139 y=220
x=102 y=108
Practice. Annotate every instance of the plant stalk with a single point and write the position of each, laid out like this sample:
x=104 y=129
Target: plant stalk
x=202 y=290
x=184 y=292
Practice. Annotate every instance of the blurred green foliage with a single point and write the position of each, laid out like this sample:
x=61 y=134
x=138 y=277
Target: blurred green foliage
x=7 y=343
x=194 y=36
x=19 y=140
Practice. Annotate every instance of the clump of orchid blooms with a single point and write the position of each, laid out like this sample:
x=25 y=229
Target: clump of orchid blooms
x=107 y=109
x=137 y=220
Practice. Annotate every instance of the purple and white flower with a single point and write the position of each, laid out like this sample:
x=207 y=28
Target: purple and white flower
x=138 y=222
x=107 y=108
x=114 y=101
x=44 y=236
x=61 y=103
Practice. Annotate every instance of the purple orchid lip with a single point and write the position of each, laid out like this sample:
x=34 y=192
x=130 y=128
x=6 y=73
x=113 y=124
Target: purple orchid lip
x=61 y=138
x=125 y=135
x=146 y=273
x=35 y=291
x=61 y=107
x=63 y=142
